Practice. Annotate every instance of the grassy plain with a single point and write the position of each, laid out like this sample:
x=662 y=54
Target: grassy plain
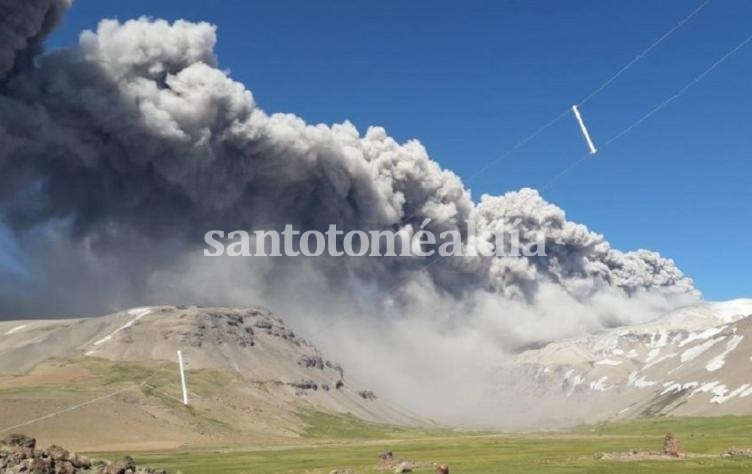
x=329 y=443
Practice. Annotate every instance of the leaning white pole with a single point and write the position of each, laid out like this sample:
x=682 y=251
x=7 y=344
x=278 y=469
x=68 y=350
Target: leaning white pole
x=182 y=378
x=584 y=129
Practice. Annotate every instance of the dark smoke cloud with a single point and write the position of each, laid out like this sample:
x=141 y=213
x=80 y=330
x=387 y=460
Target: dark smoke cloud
x=130 y=146
x=24 y=24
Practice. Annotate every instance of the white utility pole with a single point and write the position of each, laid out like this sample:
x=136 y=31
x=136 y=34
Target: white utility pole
x=584 y=130
x=182 y=378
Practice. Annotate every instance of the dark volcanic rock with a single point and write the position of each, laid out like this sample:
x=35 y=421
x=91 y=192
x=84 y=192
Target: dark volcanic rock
x=311 y=362
x=367 y=395
x=305 y=385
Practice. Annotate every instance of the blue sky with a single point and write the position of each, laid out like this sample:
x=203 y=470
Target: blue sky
x=471 y=79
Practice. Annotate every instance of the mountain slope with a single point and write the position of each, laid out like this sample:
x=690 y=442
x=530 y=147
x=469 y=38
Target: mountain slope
x=694 y=361
x=249 y=377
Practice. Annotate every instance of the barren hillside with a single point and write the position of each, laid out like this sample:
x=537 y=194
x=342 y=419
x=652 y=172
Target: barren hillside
x=249 y=377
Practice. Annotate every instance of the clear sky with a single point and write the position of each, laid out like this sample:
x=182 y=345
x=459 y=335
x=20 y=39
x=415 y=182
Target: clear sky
x=470 y=79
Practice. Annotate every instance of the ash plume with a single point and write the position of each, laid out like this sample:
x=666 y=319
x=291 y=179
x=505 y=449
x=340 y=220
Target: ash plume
x=121 y=152
x=24 y=24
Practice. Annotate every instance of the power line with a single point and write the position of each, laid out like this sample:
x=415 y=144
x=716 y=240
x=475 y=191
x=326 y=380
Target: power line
x=592 y=94
x=656 y=109
x=519 y=144
x=637 y=58
x=681 y=92
x=69 y=409
x=145 y=383
x=566 y=112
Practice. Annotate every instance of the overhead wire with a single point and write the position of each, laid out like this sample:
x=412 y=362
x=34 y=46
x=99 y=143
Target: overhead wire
x=681 y=91
x=629 y=128
x=132 y=386
x=644 y=53
x=572 y=166
x=520 y=144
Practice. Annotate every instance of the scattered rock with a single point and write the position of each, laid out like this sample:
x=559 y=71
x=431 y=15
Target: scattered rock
x=740 y=453
x=19 y=440
x=56 y=452
x=305 y=385
x=367 y=395
x=19 y=455
x=387 y=461
x=309 y=362
x=442 y=469
x=387 y=456
x=335 y=367
x=404 y=466
x=672 y=450
x=124 y=466
x=342 y=471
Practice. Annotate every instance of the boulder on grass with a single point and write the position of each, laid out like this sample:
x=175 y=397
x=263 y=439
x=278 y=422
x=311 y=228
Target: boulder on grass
x=20 y=441
x=123 y=466
x=672 y=447
x=404 y=466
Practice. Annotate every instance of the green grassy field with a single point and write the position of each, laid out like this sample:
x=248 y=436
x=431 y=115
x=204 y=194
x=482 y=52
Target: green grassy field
x=331 y=443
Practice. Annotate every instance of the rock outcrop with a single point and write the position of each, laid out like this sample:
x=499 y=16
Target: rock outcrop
x=672 y=446
x=19 y=454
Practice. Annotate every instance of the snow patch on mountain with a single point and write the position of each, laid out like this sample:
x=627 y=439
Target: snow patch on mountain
x=658 y=368
x=719 y=361
x=608 y=362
